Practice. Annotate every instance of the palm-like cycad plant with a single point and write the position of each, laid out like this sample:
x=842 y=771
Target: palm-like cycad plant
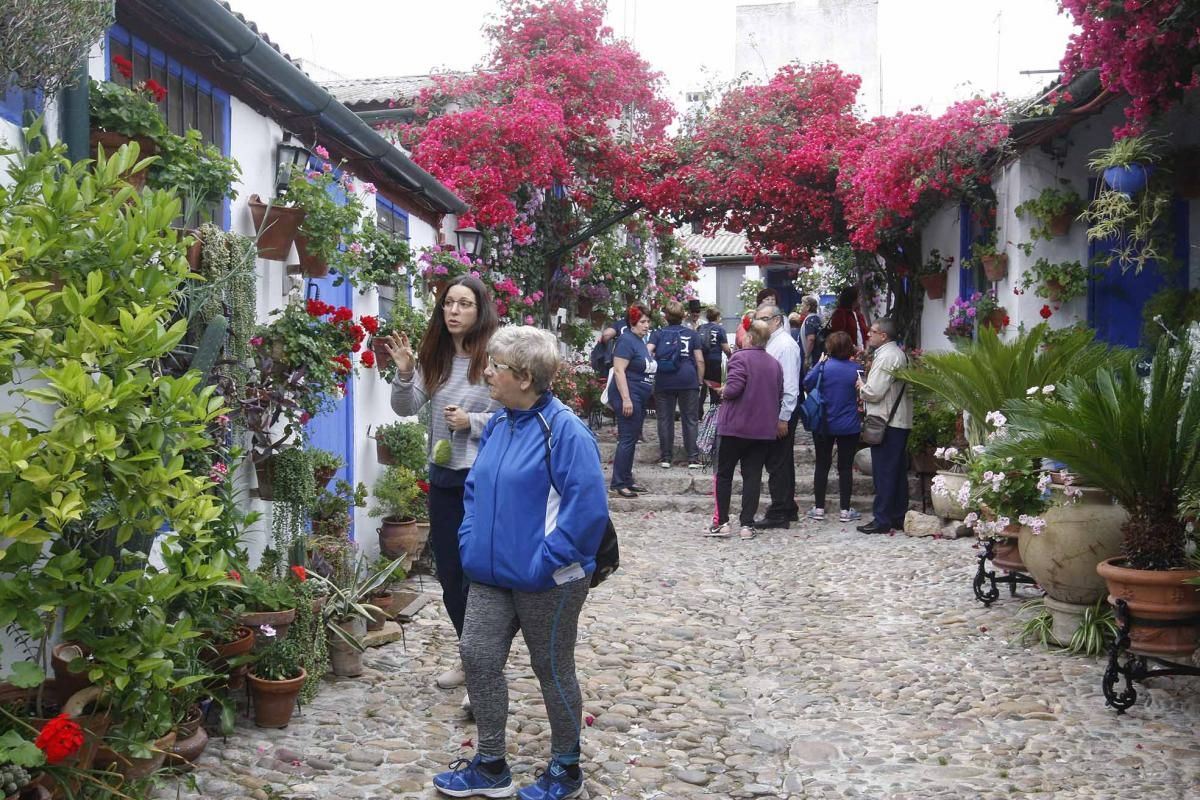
x=980 y=376
x=1137 y=439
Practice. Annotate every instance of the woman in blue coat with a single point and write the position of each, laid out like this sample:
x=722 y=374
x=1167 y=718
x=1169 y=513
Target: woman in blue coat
x=841 y=423
x=536 y=511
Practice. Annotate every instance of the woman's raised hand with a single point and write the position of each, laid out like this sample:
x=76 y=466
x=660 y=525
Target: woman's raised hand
x=401 y=352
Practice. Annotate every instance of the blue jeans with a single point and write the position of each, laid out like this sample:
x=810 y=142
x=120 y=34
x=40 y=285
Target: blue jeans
x=628 y=430
x=889 y=470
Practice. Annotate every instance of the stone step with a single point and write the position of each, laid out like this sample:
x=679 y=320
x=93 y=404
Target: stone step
x=703 y=505
x=681 y=481
x=647 y=452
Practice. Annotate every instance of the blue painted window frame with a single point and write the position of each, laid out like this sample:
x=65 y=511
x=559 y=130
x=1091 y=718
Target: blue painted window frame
x=15 y=102
x=187 y=77
x=966 y=267
x=383 y=206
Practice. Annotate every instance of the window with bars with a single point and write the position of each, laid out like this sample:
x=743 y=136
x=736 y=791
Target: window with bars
x=191 y=101
x=393 y=220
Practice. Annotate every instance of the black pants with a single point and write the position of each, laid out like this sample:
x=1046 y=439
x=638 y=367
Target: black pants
x=781 y=466
x=750 y=453
x=846 y=447
x=889 y=469
x=712 y=372
x=445 y=517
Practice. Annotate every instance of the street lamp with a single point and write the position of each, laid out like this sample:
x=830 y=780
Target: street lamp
x=470 y=241
x=290 y=153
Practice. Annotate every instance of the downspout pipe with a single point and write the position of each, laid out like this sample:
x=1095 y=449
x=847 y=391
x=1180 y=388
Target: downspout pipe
x=209 y=22
x=76 y=122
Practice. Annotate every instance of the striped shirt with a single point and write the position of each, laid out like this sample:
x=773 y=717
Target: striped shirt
x=409 y=395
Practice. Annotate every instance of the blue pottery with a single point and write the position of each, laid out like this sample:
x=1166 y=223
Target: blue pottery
x=1130 y=179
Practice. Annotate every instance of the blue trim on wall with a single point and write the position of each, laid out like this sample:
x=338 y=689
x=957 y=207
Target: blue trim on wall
x=187 y=76
x=15 y=102
x=966 y=270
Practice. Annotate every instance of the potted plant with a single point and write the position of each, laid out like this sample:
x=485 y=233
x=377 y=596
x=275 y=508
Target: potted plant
x=200 y=172
x=398 y=500
x=403 y=317
x=933 y=426
x=932 y=273
x=403 y=443
x=1005 y=493
x=346 y=612
x=989 y=313
x=325 y=465
x=120 y=115
x=326 y=237
x=994 y=260
x=1135 y=438
x=268 y=600
x=1127 y=163
x=276 y=680
x=438 y=266
x=330 y=511
x=387 y=260
x=1058 y=282
x=961 y=316
x=1052 y=210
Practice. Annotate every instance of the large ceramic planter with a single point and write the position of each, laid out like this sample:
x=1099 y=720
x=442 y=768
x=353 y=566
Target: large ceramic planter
x=276 y=230
x=275 y=700
x=949 y=507
x=1157 y=596
x=935 y=285
x=1077 y=537
x=136 y=768
x=310 y=265
x=279 y=620
x=995 y=268
x=344 y=660
x=1129 y=179
x=399 y=536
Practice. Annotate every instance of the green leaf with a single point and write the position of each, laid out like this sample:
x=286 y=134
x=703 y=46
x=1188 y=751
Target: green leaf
x=26 y=675
x=14 y=749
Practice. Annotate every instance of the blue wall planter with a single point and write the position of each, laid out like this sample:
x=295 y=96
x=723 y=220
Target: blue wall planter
x=1130 y=179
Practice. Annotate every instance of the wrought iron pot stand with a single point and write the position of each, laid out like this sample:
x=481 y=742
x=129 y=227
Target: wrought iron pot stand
x=983 y=575
x=1136 y=666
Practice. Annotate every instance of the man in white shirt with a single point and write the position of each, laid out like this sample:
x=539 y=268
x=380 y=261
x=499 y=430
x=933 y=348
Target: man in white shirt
x=885 y=395
x=781 y=462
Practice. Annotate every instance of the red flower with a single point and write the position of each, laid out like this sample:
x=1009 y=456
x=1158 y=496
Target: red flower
x=157 y=89
x=1046 y=312
x=343 y=363
x=368 y=359
x=341 y=314
x=317 y=308
x=423 y=486
x=123 y=65
x=60 y=738
x=1004 y=324
x=300 y=573
x=235 y=575
x=304 y=417
x=371 y=324
x=358 y=333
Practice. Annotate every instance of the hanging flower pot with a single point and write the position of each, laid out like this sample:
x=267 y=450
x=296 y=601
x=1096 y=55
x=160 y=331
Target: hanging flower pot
x=310 y=265
x=584 y=307
x=383 y=454
x=1060 y=224
x=935 y=285
x=997 y=320
x=383 y=358
x=1129 y=179
x=597 y=318
x=995 y=267
x=274 y=701
x=276 y=230
x=1054 y=289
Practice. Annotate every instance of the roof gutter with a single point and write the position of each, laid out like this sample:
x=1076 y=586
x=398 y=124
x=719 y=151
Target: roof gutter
x=209 y=22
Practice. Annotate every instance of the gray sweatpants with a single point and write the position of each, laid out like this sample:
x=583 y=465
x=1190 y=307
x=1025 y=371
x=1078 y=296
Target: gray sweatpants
x=549 y=621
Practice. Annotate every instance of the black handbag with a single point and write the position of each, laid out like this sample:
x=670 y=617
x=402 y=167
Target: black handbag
x=608 y=557
x=875 y=426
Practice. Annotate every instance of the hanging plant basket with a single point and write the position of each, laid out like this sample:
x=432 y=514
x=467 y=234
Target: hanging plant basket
x=1060 y=224
x=310 y=265
x=277 y=230
x=995 y=268
x=584 y=307
x=996 y=320
x=322 y=477
x=935 y=285
x=1129 y=179
x=597 y=318
x=383 y=454
x=1054 y=289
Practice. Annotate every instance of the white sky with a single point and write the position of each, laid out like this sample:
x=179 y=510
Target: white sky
x=934 y=51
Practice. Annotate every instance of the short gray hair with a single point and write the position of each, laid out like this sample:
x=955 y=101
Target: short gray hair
x=772 y=309
x=811 y=303
x=887 y=326
x=528 y=350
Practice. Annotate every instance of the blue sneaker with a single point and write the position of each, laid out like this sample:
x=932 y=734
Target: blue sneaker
x=469 y=779
x=553 y=784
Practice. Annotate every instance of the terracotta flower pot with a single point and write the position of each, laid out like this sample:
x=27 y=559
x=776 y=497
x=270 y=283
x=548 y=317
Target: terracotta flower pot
x=996 y=320
x=382 y=612
x=383 y=359
x=219 y=655
x=61 y=655
x=1155 y=596
x=310 y=265
x=399 y=536
x=995 y=268
x=276 y=230
x=1007 y=553
x=135 y=768
x=279 y=620
x=583 y=307
x=935 y=285
x=187 y=749
x=597 y=319
x=275 y=700
x=383 y=453
x=1060 y=224
x=322 y=477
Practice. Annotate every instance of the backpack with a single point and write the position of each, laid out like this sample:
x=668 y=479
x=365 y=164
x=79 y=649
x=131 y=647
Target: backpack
x=600 y=358
x=710 y=340
x=819 y=338
x=668 y=350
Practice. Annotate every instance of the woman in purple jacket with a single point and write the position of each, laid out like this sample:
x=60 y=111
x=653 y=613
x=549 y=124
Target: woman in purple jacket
x=746 y=424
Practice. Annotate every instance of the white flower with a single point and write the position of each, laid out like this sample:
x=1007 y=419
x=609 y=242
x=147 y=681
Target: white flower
x=1073 y=493
x=939 y=453
x=1037 y=525
x=951 y=452
x=971 y=520
x=978 y=449
x=1044 y=481
x=1032 y=390
x=1048 y=389
x=964 y=494
x=1024 y=519
x=1003 y=522
x=938 y=487
x=996 y=418
x=267 y=631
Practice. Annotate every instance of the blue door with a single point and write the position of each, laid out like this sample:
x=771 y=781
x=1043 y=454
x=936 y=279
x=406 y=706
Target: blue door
x=1116 y=299
x=334 y=431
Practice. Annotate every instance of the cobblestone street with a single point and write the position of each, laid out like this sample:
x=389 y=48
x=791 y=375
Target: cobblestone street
x=809 y=663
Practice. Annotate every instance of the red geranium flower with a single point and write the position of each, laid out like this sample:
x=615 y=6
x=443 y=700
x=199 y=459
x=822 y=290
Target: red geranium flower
x=368 y=359
x=341 y=314
x=300 y=573
x=123 y=65
x=423 y=486
x=157 y=89
x=235 y=575
x=60 y=738
x=1046 y=312
x=371 y=324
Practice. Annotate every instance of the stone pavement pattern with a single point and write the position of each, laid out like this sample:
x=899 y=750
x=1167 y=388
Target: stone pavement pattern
x=810 y=663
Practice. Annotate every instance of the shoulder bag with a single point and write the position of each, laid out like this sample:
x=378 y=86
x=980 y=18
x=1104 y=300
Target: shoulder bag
x=874 y=426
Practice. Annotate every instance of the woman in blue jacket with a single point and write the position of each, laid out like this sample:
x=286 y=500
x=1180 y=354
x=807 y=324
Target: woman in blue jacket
x=536 y=511
x=841 y=423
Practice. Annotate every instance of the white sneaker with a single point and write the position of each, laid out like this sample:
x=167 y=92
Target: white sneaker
x=816 y=513
x=451 y=678
x=695 y=465
x=665 y=464
x=849 y=515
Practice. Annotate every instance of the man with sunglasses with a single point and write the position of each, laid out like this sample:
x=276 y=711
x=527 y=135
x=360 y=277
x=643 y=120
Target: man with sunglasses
x=781 y=462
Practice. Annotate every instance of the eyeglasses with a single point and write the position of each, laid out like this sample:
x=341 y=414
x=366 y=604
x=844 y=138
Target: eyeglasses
x=767 y=318
x=874 y=332
x=495 y=365
x=463 y=305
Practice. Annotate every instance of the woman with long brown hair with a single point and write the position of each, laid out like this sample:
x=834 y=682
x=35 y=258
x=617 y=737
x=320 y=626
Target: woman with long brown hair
x=448 y=374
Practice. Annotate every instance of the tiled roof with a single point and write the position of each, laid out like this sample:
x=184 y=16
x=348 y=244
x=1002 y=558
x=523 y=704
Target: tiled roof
x=261 y=34
x=377 y=90
x=723 y=244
